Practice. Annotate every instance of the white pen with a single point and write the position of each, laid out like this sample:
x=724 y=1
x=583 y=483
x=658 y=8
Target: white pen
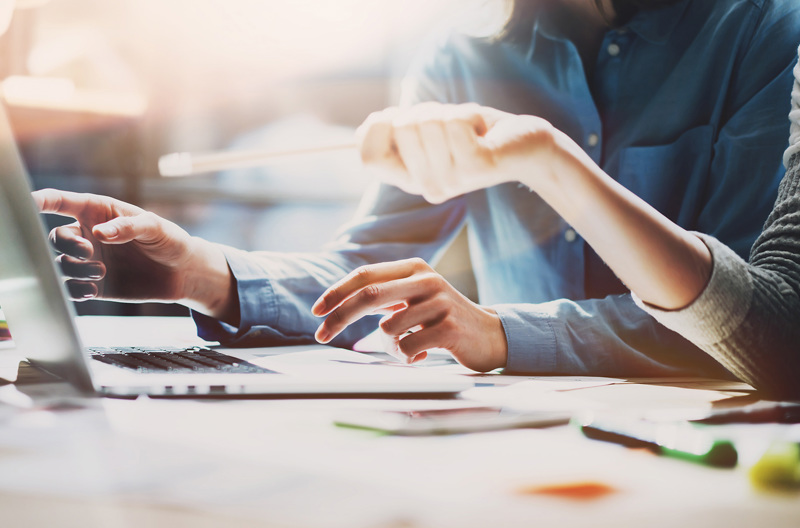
x=187 y=163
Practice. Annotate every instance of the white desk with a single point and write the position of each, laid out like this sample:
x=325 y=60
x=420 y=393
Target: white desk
x=282 y=463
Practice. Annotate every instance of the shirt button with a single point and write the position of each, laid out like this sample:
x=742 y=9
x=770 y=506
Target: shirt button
x=570 y=235
x=613 y=49
x=593 y=139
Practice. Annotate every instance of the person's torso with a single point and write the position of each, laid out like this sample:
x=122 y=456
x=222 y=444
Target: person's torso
x=649 y=118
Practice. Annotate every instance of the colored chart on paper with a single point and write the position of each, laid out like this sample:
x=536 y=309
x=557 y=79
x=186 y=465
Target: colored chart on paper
x=4 y=333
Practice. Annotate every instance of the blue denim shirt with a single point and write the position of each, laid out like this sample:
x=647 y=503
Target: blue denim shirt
x=687 y=107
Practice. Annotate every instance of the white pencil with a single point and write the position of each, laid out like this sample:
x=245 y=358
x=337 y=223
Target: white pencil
x=187 y=163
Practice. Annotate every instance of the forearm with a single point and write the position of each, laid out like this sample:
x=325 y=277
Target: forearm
x=662 y=263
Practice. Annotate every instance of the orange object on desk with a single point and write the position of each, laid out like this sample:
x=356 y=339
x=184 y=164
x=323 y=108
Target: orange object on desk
x=585 y=490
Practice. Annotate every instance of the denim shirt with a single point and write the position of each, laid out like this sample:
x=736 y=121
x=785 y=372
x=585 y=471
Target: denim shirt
x=687 y=107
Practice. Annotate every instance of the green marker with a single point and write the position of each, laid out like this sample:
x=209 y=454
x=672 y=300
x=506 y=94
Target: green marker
x=676 y=440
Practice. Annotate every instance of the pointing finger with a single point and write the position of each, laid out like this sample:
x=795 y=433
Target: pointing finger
x=369 y=300
x=73 y=204
x=364 y=276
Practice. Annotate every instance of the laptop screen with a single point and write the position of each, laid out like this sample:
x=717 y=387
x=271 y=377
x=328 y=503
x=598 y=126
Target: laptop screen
x=32 y=293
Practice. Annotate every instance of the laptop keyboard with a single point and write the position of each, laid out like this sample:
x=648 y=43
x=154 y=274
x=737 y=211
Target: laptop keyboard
x=192 y=360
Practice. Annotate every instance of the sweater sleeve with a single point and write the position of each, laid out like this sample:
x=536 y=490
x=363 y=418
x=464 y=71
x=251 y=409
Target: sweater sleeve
x=721 y=307
x=748 y=316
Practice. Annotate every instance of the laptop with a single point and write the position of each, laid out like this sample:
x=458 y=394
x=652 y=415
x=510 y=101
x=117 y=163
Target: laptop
x=42 y=323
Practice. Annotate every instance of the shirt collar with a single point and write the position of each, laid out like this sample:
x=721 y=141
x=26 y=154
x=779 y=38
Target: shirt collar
x=652 y=25
x=546 y=26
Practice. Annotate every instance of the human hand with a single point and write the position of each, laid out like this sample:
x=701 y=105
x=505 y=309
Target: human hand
x=423 y=311
x=116 y=250
x=442 y=151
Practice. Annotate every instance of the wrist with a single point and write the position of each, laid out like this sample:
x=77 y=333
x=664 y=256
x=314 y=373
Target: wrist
x=498 y=345
x=209 y=285
x=566 y=178
x=544 y=171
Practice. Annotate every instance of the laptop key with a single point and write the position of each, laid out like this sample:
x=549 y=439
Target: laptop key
x=172 y=359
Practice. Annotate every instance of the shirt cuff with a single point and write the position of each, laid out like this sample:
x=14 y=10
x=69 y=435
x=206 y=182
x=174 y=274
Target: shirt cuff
x=721 y=306
x=257 y=303
x=531 y=339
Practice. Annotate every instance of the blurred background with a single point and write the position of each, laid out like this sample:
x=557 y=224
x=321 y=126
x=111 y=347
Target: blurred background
x=97 y=91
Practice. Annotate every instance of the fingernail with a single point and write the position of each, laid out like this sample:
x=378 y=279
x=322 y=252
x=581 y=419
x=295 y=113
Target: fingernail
x=319 y=307
x=323 y=336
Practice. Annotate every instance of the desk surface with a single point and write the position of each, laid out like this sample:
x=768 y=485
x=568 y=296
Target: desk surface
x=105 y=462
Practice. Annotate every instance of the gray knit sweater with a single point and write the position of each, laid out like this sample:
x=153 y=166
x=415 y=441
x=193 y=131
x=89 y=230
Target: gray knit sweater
x=748 y=316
